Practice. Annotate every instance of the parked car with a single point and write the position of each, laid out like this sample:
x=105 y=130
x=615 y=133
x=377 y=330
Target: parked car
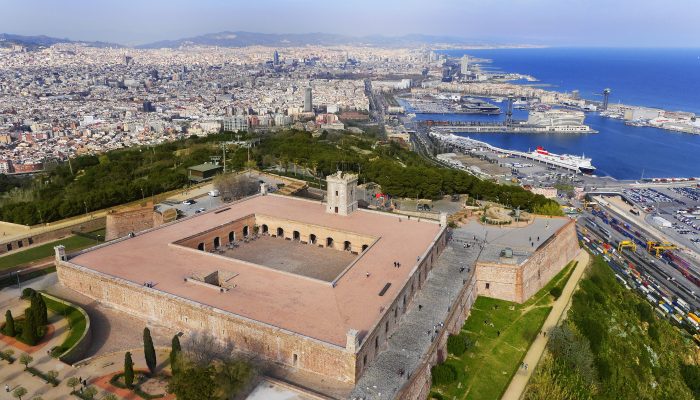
x=200 y=210
x=188 y=202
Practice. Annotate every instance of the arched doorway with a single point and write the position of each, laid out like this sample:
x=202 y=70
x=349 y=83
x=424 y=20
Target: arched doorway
x=231 y=237
x=347 y=246
x=280 y=232
x=312 y=238
x=364 y=247
x=245 y=231
x=296 y=236
x=217 y=242
x=200 y=247
x=329 y=242
x=264 y=228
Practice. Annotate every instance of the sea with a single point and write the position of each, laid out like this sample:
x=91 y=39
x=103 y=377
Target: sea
x=662 y=78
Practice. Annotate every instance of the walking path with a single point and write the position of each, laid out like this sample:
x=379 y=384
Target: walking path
x=517 y=385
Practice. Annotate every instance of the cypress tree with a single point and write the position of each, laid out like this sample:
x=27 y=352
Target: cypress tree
x=36 y=311
x=128 y=370
x=9 y=324
x=43 y=310
x=175 y=351
x=30 y=328
x=149 y=351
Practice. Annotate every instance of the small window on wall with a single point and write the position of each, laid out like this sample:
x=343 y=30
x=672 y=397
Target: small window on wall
x=31 y=241
x=487 y=286
x=296 y=358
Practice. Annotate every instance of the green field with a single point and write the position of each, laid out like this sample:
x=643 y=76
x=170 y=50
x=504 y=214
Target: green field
x=491 y=360
x=39 y=252
x=76 y=321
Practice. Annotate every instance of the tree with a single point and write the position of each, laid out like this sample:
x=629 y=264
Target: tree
x=175 y=350
x=29 y=330
x=52 y=377
x=193 y=383
x=72 y=383
x=148 y=350
x=26 y=359
x=43 y=312
x=9 y=324
x=231 y=376
x=89 y=393
x=19 y=392
x=110 y=396
x=128 y=370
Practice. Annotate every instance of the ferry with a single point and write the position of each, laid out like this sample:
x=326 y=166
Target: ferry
x=568 y=161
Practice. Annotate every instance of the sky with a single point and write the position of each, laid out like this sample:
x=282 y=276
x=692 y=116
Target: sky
x=611 y=23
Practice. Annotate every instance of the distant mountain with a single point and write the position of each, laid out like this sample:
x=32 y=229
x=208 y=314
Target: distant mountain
x=242 y=39
x=35 y=42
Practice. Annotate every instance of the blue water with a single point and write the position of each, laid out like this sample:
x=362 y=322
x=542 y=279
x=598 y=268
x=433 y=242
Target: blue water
x=664 y=78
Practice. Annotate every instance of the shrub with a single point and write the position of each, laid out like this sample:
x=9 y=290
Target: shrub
x=457 y=344
x=443 y=374
x=28 y=293
x=555 y=292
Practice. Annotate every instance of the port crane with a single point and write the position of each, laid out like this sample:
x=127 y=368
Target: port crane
x=627 y=244
x=657 y=248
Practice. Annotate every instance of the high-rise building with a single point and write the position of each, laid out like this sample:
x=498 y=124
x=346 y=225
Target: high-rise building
x=308 y=104
x=128 y=60
x=276 y=58
x=464 y=65
x=148 y=107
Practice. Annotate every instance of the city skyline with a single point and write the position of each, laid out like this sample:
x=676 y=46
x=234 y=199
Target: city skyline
x=543 y=22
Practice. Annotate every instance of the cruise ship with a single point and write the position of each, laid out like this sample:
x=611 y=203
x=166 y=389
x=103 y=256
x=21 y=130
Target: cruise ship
x=567 y=161
x=470 y=105
x=559 y=121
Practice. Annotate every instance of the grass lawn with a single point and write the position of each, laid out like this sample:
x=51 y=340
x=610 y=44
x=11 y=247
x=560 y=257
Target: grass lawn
x=45 y=250
x=487 y=367
x=76 y=321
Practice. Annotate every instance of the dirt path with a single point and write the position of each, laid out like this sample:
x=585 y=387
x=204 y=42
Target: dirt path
x=517 y=385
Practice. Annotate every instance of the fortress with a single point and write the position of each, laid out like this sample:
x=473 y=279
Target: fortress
x=300 y=283
x=321 y=288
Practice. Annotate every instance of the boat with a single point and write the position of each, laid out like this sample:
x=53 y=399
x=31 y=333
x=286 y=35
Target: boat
x=520 y=104
x=470 y=105
x=578 y=163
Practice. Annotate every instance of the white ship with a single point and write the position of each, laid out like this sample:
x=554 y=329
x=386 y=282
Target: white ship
x=567 y=161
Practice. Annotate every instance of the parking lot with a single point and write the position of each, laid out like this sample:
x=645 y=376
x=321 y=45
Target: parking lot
x=678 y=205
x=202 y=200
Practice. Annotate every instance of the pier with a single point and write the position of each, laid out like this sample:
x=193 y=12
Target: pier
x=467 y=145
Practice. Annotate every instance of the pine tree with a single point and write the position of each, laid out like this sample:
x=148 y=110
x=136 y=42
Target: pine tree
x=10 y=324
x=149 y=351
x=175 y=351
x=29 y=330
x=128 y=370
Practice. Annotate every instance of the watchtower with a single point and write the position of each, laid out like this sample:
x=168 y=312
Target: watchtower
x=340 y=198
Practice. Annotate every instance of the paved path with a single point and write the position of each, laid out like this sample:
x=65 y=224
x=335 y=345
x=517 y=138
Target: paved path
x=517 y=385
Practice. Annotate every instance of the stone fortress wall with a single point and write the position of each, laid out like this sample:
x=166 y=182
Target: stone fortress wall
x=517 y=282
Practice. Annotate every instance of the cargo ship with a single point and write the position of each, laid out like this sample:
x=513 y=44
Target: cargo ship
x=567 y=161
